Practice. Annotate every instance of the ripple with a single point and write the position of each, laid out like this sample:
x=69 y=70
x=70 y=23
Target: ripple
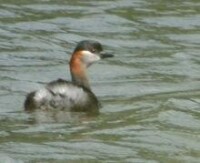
x=190 y=22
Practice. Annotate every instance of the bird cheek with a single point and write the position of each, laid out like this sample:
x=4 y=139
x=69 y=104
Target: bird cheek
x=89 y=59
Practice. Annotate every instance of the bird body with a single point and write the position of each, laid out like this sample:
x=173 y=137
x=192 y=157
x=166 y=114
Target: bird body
x=75 y=95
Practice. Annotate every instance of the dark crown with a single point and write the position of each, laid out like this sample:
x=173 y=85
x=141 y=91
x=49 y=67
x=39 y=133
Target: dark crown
x=90 y=45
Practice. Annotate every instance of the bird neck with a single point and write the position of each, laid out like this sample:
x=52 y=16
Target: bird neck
x=78 y=71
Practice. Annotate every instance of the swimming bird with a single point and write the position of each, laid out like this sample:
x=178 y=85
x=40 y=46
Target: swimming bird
x=75 y=95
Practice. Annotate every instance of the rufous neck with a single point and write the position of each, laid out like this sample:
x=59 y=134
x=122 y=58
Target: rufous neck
x=78 y=71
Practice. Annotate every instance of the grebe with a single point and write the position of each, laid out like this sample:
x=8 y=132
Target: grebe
x=75 y=95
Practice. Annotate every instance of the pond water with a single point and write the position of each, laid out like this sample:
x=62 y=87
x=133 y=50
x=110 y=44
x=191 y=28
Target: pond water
x=150 y=91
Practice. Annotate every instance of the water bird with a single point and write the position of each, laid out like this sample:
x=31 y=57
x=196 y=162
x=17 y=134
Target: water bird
x=75 y=95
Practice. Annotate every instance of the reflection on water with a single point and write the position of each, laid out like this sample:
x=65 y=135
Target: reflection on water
x=150 y=91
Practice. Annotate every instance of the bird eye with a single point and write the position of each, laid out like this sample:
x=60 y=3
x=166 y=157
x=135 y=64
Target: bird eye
x=93 y=50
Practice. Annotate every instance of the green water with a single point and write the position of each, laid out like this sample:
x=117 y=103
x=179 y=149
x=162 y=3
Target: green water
x=150 y=91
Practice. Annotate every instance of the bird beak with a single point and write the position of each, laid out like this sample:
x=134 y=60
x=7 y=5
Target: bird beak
x=106 y=55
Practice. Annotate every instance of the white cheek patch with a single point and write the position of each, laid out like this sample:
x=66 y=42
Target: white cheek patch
x=89 y=57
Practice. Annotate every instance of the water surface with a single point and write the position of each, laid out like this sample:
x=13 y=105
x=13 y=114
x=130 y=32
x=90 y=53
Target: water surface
x=150 y=91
